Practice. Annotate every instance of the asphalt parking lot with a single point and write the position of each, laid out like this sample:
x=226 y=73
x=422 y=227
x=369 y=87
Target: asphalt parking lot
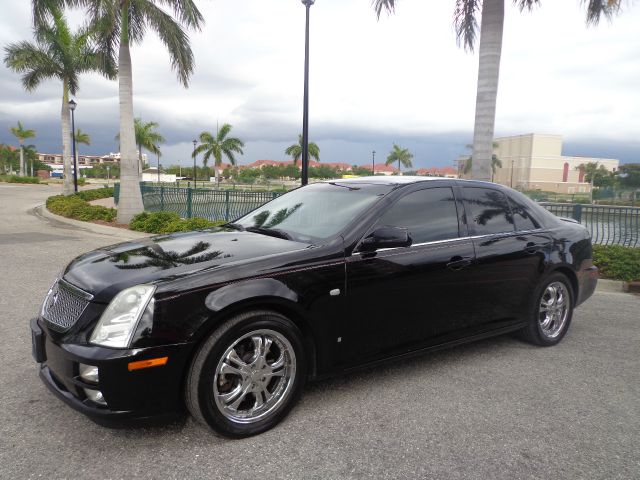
x=495 y=409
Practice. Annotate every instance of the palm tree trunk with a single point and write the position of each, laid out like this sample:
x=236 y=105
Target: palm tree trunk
x=22 y=158
x=67 y=183
x=488 y=75
x=130 y=203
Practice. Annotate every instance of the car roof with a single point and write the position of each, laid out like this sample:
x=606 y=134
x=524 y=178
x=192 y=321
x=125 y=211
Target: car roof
x=404 y=180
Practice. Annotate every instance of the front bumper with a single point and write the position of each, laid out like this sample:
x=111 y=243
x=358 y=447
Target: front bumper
x=128 y=394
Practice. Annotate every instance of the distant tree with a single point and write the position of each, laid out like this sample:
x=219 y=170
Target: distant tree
x=9 y=159
x=361 y=171
x=22 y=134
x=401 y=155
x=295 y=151
x=219 y=145
x=629 y=175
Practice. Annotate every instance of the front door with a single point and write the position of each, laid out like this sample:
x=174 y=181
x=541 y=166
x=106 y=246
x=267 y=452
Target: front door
x=403 y=298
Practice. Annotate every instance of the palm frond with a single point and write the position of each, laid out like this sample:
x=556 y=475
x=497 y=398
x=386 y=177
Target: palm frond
x=596 y=9
x=380 y=5
x=465 y=22
x=174 y=38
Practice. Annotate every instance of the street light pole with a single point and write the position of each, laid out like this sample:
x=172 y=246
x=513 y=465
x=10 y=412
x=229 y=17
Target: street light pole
x=373 y=162
x=195 y=174
x=72 y=107
x=513 y=161
x=305 y=114
x=158 y=168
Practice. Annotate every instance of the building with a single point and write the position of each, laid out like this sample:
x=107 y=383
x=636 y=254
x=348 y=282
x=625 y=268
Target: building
x=446 y=172
x=84 y=161
x=381 y=169
x=151 y=175
x=535 y=162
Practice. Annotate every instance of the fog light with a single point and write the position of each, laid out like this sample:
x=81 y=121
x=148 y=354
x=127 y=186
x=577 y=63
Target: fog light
x=95 y=396
x=89 y=373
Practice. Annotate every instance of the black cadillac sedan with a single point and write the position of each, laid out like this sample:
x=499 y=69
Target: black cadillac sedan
x=230 y=322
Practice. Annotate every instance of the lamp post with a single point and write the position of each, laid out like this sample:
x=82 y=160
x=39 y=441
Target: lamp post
x=305 y=114
x=373 y=162
x=72 y=107
x=108 y=175
x=195 y=175
x=513 y=161
x=158 y=167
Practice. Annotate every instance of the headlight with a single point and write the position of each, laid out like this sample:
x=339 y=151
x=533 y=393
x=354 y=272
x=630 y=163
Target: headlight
x=119 y=320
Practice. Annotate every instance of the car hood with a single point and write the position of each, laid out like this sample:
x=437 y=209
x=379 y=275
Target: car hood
x=106 y=271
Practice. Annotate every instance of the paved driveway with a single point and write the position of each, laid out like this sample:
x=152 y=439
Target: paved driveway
x=495 y=409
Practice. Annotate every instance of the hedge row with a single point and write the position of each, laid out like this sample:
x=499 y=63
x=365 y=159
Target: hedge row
x=168 y=222
x=95 y=194
x=617 y=262
x=74 y=206
x=17 y=179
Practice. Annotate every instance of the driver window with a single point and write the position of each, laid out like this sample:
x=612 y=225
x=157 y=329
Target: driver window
x=429 y=215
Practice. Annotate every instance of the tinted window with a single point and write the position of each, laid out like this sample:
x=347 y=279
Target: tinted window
x=316 y=211
x=429 y=215
x=488 y=211
x=521 y=216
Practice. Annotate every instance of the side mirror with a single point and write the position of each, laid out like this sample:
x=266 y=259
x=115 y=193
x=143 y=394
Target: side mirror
x=386 y=237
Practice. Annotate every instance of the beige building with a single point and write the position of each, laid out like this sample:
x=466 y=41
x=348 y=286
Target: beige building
x=535 y=162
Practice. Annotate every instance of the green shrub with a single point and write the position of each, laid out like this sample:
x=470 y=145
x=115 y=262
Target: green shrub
x=95 y=194
x=17 y=179
x=168 y=222
x=617 y=262
x=73 y=206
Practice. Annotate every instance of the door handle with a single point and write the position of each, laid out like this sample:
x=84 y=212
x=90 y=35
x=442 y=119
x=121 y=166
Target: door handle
x=533 y=247
x=458 y=263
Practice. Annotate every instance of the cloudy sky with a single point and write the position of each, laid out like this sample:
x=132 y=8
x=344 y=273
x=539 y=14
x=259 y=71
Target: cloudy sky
x=402 y=79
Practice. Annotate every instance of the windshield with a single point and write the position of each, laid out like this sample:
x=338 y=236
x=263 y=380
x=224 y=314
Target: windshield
x=314 y=212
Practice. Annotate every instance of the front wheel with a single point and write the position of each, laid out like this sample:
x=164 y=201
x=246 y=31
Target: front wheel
x=247 y=375
x=552 y=311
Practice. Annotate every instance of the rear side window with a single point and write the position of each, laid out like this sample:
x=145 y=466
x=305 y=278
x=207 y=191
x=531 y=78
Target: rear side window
x=488 y=211
x=521 y=216
x=429 y=215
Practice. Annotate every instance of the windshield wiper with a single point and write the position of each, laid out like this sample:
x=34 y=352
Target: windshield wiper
x=235 y=226
x=272 y=232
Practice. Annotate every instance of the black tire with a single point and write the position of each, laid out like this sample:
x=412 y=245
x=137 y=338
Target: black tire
x=534 y=331
x=203 y=380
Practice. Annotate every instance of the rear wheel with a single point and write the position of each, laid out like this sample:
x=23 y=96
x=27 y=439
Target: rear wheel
x=247 y=375
x=552 y=311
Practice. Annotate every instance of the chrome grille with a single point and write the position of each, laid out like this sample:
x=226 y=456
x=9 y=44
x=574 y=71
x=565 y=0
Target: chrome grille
x=64 y=305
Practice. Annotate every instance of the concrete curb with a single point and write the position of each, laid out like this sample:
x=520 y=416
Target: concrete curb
x=118 y=233
x=605 y=285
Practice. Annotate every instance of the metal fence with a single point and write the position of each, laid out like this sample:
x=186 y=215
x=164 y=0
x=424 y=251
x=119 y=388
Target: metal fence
x=200 y=202
x=608 y=225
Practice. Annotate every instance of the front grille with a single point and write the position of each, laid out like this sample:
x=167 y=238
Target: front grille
x=64 y=305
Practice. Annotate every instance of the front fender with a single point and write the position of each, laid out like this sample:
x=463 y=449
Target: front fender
x=236 y=292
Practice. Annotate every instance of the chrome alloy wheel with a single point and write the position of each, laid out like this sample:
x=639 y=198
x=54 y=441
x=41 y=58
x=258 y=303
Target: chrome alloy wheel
x=554 y=309
x=254 y=376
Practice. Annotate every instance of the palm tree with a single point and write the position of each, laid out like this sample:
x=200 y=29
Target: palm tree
x=146 y=137
x=401 y=155
x=123 y=23
x=491 y=28
x=61 y=54
x=496 y=163
x=217 y=146
x=295 y=151
x=22 y=134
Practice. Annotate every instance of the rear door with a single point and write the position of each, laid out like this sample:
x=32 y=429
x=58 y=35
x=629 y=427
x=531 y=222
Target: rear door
x=402 y=298
x=509 y=250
